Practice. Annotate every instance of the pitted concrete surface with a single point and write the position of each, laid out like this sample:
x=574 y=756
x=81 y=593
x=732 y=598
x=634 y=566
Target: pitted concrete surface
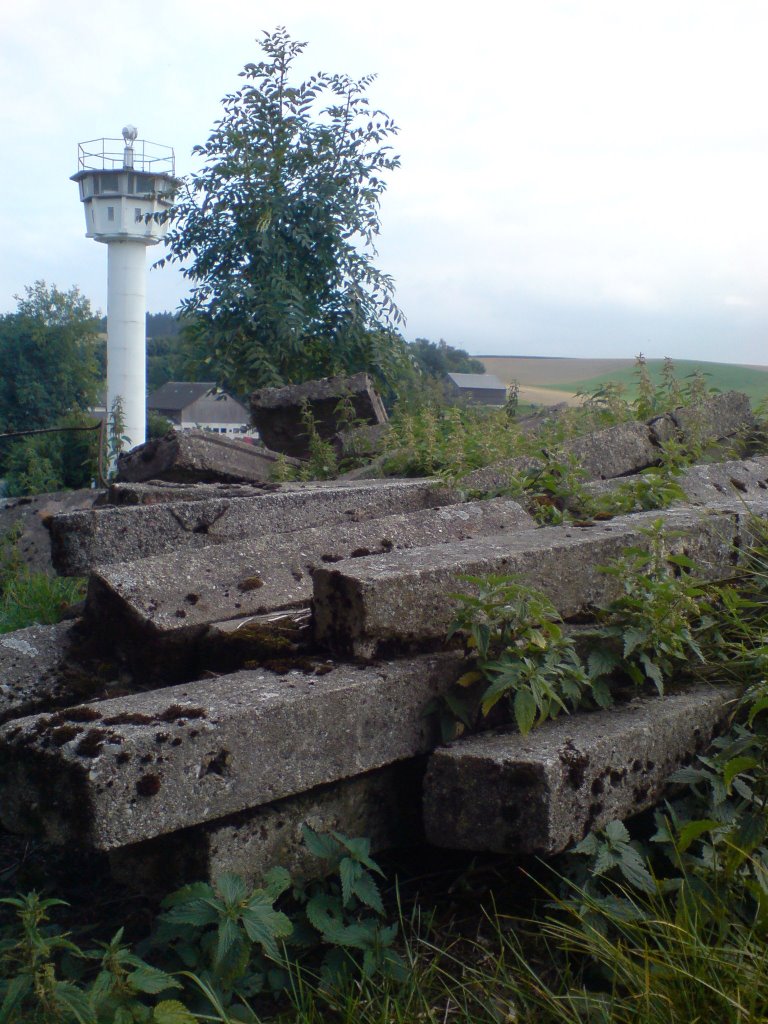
x=280 y=413
x=199 y=456
x=541 y=792
x=383 y=805
x=177 y=592
x=37 y=670
x=81 y=541
x=710 y=482
x=367 y=605
x=124 y=770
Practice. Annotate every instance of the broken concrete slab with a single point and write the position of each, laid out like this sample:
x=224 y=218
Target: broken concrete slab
x=614 y=452
x=537 y=794
x=603 y=454
x=716 y=417
x=28 y=519
x=82 y=540
x=500 y=476
x=630 y=447
x=157 y=492
x=255 y=641
x=710 y=482
x=394 y=601
x=120 y=771
x=383 y=805
x=360 y=442
x=33 y=676
x=182 y=591
x=198 y=456
x=279 y=413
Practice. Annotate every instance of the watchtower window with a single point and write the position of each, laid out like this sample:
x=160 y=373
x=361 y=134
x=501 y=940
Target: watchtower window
x=109 y=183
x=139 y=183
x=110 y=213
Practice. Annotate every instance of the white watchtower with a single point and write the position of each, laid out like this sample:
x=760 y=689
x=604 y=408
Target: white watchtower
x=127 y=189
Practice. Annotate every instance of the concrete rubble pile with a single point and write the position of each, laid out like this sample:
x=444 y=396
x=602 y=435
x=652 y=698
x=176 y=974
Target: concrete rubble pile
x=255 y=656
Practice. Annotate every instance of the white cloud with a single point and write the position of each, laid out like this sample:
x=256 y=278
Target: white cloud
x=597 y=157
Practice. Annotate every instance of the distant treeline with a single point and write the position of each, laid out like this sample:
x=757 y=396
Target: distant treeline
x=159 y=325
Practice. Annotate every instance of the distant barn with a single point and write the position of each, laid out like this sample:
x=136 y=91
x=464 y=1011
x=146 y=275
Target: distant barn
x=190 y=404
x=478 y=388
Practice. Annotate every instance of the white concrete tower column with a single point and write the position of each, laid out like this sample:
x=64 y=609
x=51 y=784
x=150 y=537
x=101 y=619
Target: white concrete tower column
x=127 y=188
x=126 y=336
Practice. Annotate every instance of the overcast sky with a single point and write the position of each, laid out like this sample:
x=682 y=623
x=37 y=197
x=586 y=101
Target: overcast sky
x=583 y=178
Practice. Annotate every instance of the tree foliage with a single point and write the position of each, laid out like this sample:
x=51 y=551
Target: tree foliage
x=47 y=364
x=436 y=359
x=276 y=232
x=48 y=377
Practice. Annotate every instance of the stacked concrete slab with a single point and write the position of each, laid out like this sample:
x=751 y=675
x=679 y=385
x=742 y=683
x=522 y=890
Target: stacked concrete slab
x=272 y=652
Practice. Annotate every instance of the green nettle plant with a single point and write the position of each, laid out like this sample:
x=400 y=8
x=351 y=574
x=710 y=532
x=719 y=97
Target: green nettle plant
x=42 y=969
x=218 y=947
x=521 y=654
x=653 y=630
x=665 y=623
x=226 y=937
x=346 y=912
x=233 y=942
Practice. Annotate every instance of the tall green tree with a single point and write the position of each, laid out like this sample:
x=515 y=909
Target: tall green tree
x=48 y=378
x=276 y=232
x=47 y=363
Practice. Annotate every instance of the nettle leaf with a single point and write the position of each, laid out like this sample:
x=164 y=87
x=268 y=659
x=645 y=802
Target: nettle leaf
x=325 y=914
x=18 y=988
x=653 y=672
x=151 y=980
x=633 y=638
x=228 y=936
x=735 y=767
x=693 y=830
x=320 y=844
x=757 y=708
x=171 y=1011
x=588 y=845
x=367 y=892
x=634 y=868
x=231 y=888
x=525 y=710
x=469 y=678
x=682 y=560
x=349 y=872
x=277 y=881
x=616 y=832
x=188 y=894
x=495 y=692
x=195 y=912
x=264 y=924
x=460 y=708
x=601 y=693
x=74 y=1001
x=359 y=849
x=689 y=775
x=605 y=859
x=601 y=662
x=750 y=831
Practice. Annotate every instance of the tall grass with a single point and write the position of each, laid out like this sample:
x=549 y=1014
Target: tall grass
x=29 y=597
